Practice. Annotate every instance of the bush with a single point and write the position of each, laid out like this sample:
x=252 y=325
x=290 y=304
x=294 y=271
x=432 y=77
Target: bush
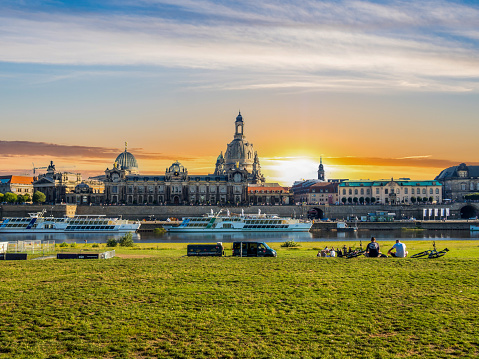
x=159 y=231
x=95 y=245
x=73 y=245
x=64 y=244
x=290 y=244
x=126 y=240
x=111 y=242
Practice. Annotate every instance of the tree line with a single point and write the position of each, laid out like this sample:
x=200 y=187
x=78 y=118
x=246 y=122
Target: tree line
x=9 y=197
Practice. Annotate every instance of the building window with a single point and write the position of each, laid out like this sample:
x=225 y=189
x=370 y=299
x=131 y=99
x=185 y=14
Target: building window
x=430 y=191
x=350 y=191
x=355 y=191
x=344 y=191
x=437 y=190
x=368 y=191
x=423 y=191
x=377 y=190
x=405 y=191
x=362 y=190
x=386 y=191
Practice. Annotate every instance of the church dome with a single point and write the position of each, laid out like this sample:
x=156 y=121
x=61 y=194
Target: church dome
x=126 y=161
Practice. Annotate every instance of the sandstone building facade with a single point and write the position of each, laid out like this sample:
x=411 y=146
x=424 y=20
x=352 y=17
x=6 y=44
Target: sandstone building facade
x=234 y=172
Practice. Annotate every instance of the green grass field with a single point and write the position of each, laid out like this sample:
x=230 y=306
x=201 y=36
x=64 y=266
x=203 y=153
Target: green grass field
x=154 y=302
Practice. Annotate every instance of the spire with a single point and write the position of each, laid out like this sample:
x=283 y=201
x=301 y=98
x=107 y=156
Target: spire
x=126 y=146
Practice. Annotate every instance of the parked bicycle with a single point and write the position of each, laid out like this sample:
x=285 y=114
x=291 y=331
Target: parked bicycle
x=357 y=252
x=432 y=253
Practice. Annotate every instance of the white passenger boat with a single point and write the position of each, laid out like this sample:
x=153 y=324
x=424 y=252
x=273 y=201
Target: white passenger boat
x=215 y=223
x=36 y=223
x=344 y=227
x=474 y=228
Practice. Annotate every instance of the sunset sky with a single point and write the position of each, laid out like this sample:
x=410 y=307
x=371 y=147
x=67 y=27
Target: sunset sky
x=380 y=89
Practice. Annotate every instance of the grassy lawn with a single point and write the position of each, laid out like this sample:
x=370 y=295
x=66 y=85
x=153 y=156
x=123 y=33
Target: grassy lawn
x=154 y=302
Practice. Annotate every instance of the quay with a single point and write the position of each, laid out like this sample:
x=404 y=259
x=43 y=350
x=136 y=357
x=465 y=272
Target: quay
x=459 y=218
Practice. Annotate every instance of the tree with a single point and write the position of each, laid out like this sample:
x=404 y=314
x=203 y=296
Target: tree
x=424 y=199
x=27 y=197
x=20 y=199
x=361 y=200
x=39 y=197
x=472 y=197
x=1 y=197
x=431 y=199
x=343 y=200
x=413 y=200
x=373 y=199
x=126 y=240
x=368 y=200
x=355 y=200
x=350 y=200
x=10 y=197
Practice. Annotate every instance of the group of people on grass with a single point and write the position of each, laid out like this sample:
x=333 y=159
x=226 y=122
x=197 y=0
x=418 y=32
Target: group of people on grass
x=398 y=250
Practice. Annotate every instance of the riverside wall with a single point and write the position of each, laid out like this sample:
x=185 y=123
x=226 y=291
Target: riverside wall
x=297 y=211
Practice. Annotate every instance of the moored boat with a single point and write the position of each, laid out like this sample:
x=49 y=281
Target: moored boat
x=344 y=227
x=36 y=223
x=240 y=223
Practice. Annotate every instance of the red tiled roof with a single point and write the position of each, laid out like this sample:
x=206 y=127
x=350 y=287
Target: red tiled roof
x=19 y=179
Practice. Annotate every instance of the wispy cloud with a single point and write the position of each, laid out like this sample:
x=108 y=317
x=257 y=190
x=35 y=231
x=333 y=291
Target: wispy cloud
x=430 y=45
x=424 y=161
x=84 y=154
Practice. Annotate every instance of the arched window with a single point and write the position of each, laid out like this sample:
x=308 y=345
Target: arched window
x=437 y=190
x=463 y=186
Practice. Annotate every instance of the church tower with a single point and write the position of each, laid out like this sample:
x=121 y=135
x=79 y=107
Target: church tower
x=240 y=160
x=321 y=169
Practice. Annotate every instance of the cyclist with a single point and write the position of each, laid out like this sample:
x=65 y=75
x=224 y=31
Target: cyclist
x=400 y=248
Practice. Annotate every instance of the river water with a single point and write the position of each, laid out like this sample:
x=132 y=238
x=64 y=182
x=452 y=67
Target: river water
x=319 y=236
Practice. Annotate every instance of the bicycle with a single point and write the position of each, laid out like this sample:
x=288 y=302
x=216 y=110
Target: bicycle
x=357 y=252
x=432 y=253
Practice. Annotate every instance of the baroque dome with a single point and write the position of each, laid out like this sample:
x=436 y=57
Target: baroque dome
x=126 y=161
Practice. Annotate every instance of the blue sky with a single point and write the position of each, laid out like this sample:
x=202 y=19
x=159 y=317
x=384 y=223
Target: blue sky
x=342 y=79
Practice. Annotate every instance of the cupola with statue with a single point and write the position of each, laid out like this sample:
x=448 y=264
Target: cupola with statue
x=126 y=161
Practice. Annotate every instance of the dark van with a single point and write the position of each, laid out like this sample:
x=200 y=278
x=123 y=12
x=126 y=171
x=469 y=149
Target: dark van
x=205 y=250
x=252 y=249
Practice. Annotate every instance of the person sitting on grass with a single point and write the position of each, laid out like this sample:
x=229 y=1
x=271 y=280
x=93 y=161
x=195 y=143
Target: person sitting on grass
x=400 y=248
x=372 y=250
